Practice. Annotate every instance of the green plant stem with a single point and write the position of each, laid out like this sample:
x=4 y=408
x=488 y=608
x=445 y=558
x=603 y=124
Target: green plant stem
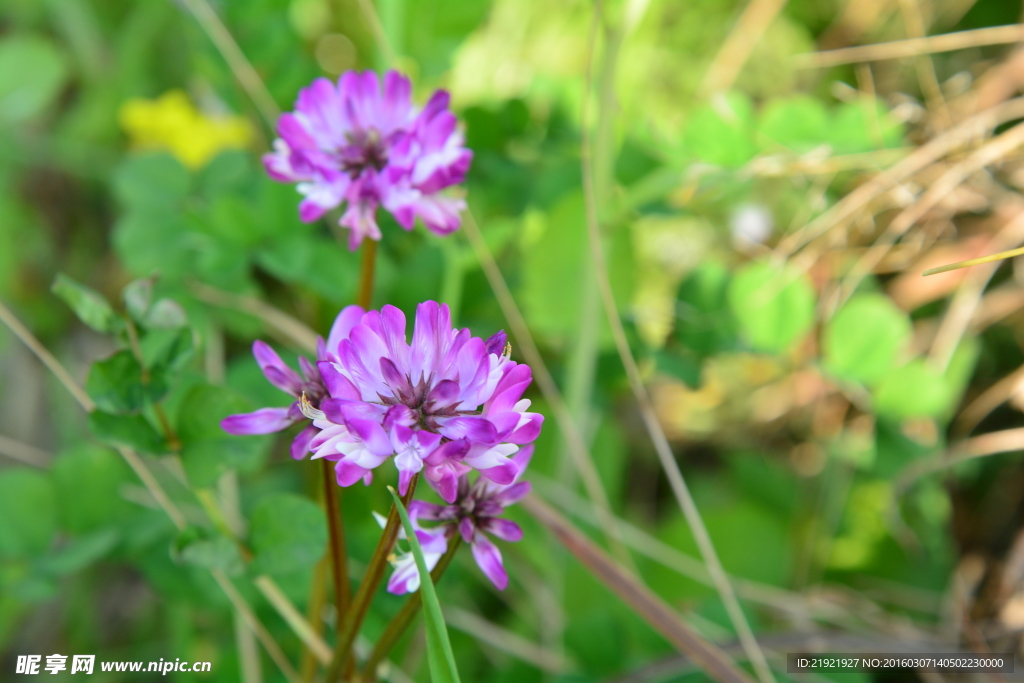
x=400 y=622
x=339 y=559
x=454 y=276
x=353 y=618
x=364 y=297
x=173 y=442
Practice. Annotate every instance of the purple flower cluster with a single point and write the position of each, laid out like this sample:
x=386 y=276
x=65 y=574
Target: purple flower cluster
x=474 y=514
x=442 y=405
x=354 y=143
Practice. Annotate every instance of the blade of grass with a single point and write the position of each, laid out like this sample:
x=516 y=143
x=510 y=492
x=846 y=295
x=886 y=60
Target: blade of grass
x=439 y=649
x=974 y=262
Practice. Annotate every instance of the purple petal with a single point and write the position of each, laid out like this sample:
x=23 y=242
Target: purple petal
x=502 y=528
x=513 y=494
x=338 y=386
x=495 y=344
x=262 y=421
x=396 y=381
x=275 y=370
x=444 y=394
x=529 y=432
x=501 y=474
x=349 y=473
x=372 y=434
x=343 y=324
x=404 y=477
x=445 y=482
x=420 y=509
x=399 y=415
x=478 y=429
x=488 y=558
x=300 y=444
x=467 y=529
x=451 y=450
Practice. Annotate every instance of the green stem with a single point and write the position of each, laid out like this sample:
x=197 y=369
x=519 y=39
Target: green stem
x=400 y=622
x=353 y=618
x=454 y=276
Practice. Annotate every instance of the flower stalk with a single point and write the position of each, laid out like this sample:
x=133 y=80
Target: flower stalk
x=356 y=612
x=400 y=622
x=336 y=530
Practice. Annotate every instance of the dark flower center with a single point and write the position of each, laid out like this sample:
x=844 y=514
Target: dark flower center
x=364 y=151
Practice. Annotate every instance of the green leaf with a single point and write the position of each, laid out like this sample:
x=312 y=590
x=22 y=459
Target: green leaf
x=862 y=341
x=88 y=478
x=219 y=552
x=207 y=450
x=138 y=297
x=439 y=649
x=913 y=390
x=133 y=431
x=799 y=123
x=167 y=351
x=705 y=324
x=166 y=313
x=88 y=304
x=116 y=385
x=78 y=553
x=32 y=73
x=721 y=133
x=774 y=306
x=151 y=181
x=28 y=512
x=557 y=261
x=289 y=533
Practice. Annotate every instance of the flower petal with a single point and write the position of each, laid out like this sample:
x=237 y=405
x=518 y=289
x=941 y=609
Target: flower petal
x=262 y=421
x=504 y=529
x=300 y=444
x=488 y=558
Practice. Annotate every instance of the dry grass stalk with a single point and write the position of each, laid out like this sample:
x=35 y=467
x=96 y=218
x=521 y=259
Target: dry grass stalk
x=912 y=47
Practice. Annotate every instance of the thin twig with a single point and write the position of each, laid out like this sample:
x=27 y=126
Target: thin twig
x=993 y=443
x=968 y=296
x=240 y=66
x=290 y=329
x=991 y=152
x=657 y=434
x=302 y=628
x=648 y=605
x=47 y=358
x=501 y=638
x=901 y=49
x=974 y=127
x=548 y=388
x=377 y=28
x=269 y=644
x=974 y=262
x=24 y=453
x=757 y=16
x=990 y=399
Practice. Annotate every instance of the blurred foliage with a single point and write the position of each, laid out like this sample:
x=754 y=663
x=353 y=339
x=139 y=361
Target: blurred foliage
x=797 y=391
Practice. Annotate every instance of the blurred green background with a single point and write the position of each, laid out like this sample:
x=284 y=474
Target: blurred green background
x=721 y=151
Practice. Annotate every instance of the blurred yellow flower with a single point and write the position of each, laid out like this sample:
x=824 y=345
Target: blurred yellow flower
x=171 y=122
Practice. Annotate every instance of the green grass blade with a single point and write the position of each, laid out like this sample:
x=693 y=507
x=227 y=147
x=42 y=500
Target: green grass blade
x=439 y=649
